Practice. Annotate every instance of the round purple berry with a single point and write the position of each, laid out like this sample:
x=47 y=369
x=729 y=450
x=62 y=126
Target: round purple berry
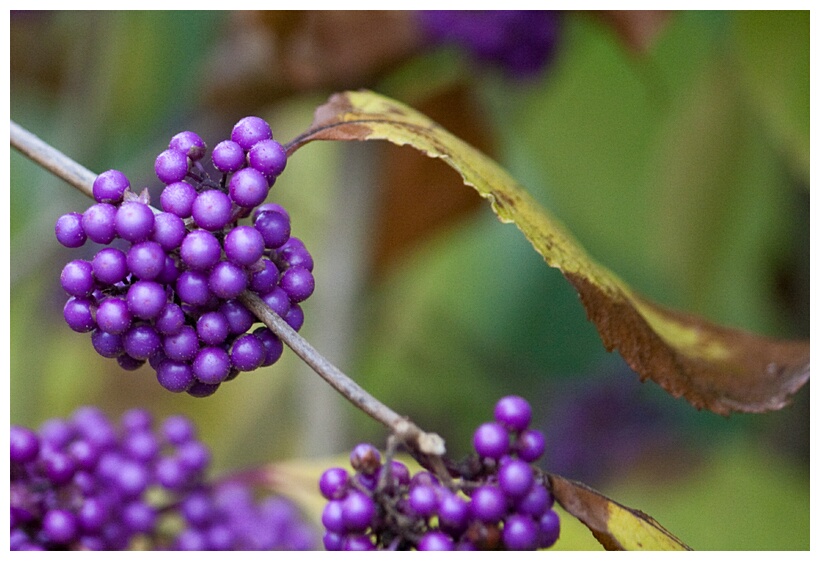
x=171 y=166
x=273 y=345
x=248 y=188
x=169 y=230
x=141 y=341
x=333 y=483
x=268 y=157
x=134 y=221
x=274 y=227
x=530 y=444
x=25 y=445
x=181 y=346
x=212 y=328
x=99 y=223
x=491 y=440
x=227 y=280
x=200 y=250
x=488 y=503
x=77 y=278
x=113 y=315
x=247 y=353
x=190 y=144
x=298 y=283
x=513 y=412
x=211 y=210
x=549 y=529
x=192 y=288
x=178 y=198
x=520 y=533
x=110 y=186
x=211 y=365
x=250 y=130
x=60 y=526
x=515 y=478
x=109 y=265
x=146 y=299
x=357 y=511
x=228 y=156
x=146 y=260
x=77 y=313
x=244 y=245
x=436 y=541
x=69 y=230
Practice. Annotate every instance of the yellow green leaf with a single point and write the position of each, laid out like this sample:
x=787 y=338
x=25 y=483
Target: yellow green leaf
x=615 y=526
x=713 y=367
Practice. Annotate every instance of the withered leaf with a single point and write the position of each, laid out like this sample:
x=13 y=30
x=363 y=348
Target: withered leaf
x=721 y=369
x=615 y=526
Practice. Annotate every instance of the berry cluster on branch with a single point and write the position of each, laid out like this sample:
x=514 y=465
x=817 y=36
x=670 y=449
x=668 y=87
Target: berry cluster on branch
x=88 y=483
x=164 y=288
x=497 y=501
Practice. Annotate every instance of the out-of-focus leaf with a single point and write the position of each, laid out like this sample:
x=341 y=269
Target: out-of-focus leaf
x=617 y=527
x=772 y=49
x=713 y=367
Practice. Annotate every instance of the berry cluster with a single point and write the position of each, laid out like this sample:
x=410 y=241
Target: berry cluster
x=521 y=42
x=497 y=501
x=87 y=483
x=168 y=294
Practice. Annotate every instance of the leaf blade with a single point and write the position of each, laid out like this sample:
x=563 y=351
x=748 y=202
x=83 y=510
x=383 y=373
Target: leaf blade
x=713 y=367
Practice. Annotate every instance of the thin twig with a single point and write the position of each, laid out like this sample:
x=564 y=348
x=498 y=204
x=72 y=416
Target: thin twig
x=431 y=445
x=52 y=159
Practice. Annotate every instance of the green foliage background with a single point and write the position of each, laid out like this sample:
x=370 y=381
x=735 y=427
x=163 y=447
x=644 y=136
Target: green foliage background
x=684 y=169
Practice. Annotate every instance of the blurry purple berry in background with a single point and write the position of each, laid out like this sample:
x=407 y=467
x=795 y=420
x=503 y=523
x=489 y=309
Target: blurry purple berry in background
x=521 y=42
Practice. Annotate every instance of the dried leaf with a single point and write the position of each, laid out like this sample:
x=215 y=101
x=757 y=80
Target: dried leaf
x=713 y=367
x=617 y=527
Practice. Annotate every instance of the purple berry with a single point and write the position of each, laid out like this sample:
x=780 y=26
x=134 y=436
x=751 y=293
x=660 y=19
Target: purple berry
x=211 y=365
x=106 y=344
x=248 y=188
x=273 y=345
x=169 y=230
x=266 y=279
x=228 y=156
x=190 y=144
x=268 y=157
x=192 y=288
x=99 y=223
x=134 y=221
x=170 y=319
x=182 y=346
x=60 y=526
x=212 y=328
x=113 y=315
x=109 y=265
x=536 y=502
x=549 y=529
x=77 y=278
x=423 y=500
x=520 y=533
x=141 y=341
x=295 y=317
x=77 y=313
x=146 y=260
x=269 y=207
x=25 y=446
x=277 y=300
x=491 y=440
x=178 y=198
x=488 y=503
x=110 y=186
x=357 y=511
x=244 y=245
x=294 y=253
x=240 y=319
x=146 y=299
x=211 y=210
x=515 y=478
x=250 y=130
x=530 y=445
x=200 y=250
x=298 y=283
x=247 y=353
x=69 y=230
x=171 y=166
x=274 y=227
x=227 y=280
x=333 y=483
x=436 y=541
x=513 y=412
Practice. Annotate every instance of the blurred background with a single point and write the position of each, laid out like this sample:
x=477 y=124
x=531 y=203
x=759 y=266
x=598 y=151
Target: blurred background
x=674 y=145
